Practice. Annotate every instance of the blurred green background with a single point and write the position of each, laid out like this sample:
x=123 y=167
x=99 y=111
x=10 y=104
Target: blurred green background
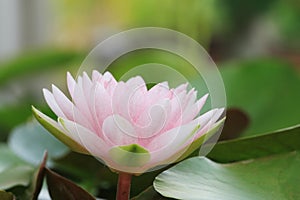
x=255 y=44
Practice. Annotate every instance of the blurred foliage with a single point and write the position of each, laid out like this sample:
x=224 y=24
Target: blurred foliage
x=242 y=13
x=287 y=14
x=197 y=19
x=35 y=61
x=267 y=90
x=9 y=119
x=28 y=66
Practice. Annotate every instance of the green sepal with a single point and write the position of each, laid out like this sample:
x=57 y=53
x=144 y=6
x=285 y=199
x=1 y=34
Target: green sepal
x=52 y=126
x=132 y=155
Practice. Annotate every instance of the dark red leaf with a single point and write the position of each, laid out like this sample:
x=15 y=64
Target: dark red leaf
x=62 y=188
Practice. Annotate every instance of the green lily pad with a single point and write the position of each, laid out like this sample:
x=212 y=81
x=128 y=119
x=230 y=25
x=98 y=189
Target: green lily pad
x=199 y=178
x=16 y=176
x=29 y=141
x=13 y=170
x=8 y=158
x=281 y=141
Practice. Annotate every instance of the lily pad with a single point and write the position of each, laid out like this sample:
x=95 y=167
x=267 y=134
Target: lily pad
x=31 y=140
x=15 y=176
x=8 y=158
x=270 y=178
x=281 y=141
x=13 y=170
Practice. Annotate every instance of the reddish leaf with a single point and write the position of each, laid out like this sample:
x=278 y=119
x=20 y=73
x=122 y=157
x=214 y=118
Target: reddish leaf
x=62 y=188
x=39 y=176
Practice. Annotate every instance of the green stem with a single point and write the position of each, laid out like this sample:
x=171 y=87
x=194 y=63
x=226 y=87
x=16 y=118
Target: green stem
x=124 y=183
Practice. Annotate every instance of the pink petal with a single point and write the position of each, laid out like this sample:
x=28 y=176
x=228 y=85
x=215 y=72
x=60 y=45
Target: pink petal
x=52 y=103
x=71 y=84
x=181 y=88
x=86 y=83
x=210 y=117
x=154 y=119
x=158 y=92
x=190 y=98
x=164 y=84
x=95 y=145
x=137 y=103
x=166 y=144
x=80 y=118
x=120 y=100
x=96 y=76
x=107 y=76
x=118 y=131
x=63 y=102
x=123 y=94
x=172 y=137
x=136 y=83
x=208 y=120
x=175 y=117
x=87 y=87
x=200 y=103
x=101 y=104
x=80 y=100
x=108 y=82
x=192 y=110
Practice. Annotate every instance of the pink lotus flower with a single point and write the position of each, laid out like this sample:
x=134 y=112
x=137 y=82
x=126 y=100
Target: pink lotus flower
x=130 y=128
